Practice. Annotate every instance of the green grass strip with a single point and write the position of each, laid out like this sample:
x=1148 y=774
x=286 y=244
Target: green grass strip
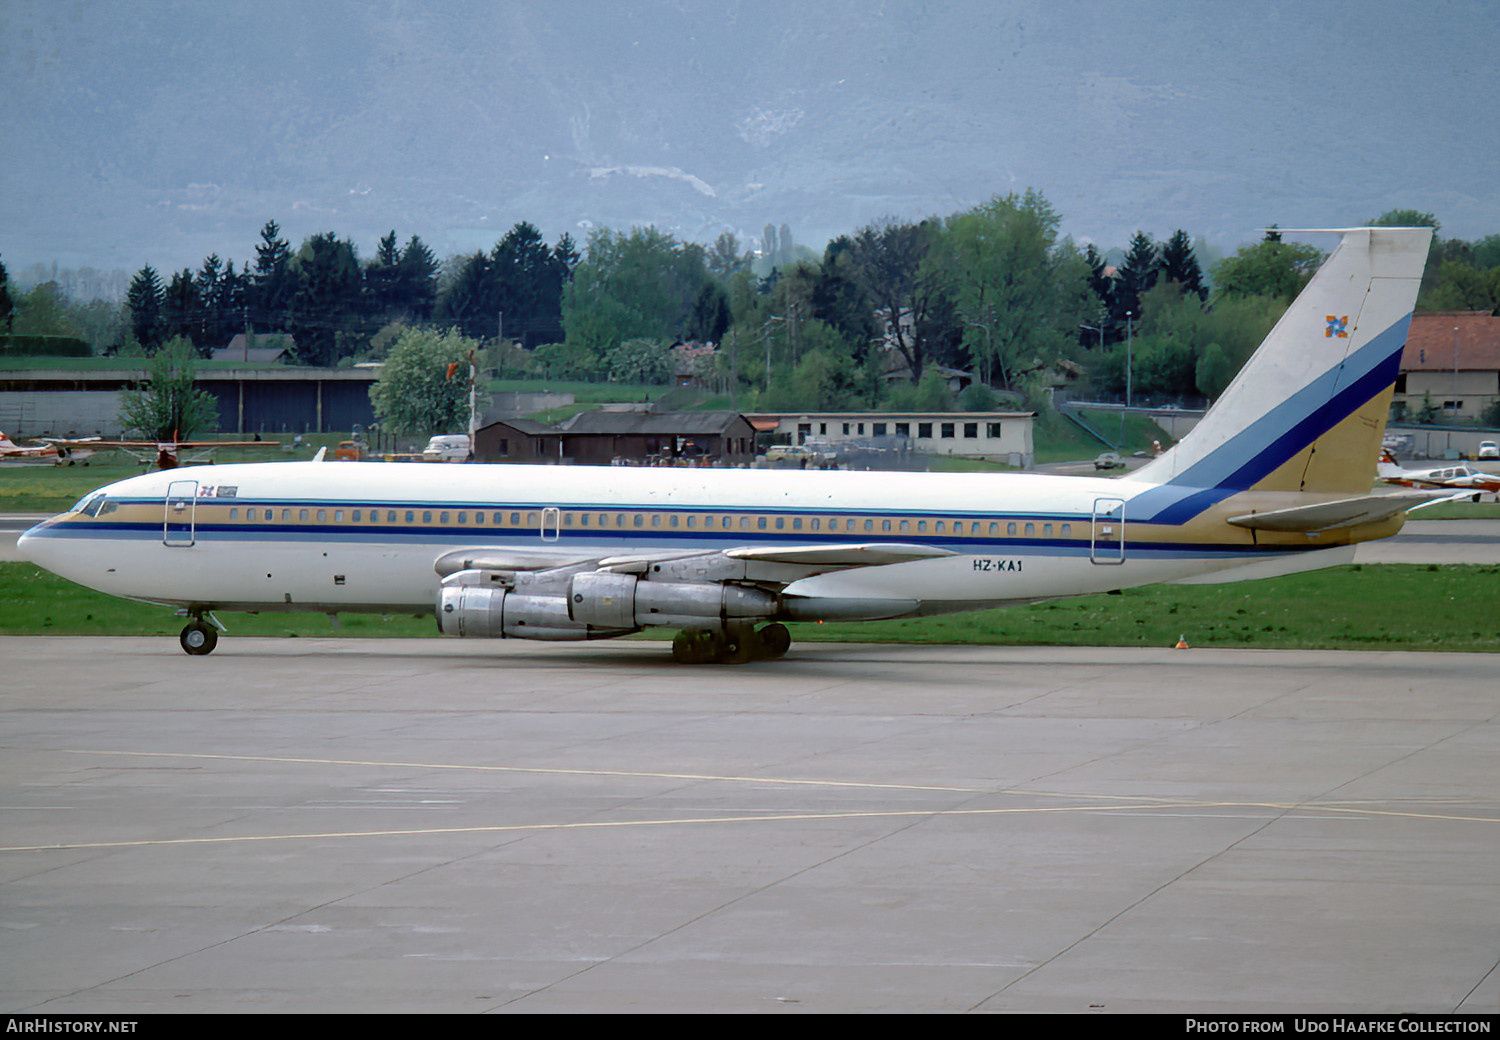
x=1359 y=607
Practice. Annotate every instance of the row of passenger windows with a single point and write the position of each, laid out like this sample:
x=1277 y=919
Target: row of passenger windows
x=671 y=521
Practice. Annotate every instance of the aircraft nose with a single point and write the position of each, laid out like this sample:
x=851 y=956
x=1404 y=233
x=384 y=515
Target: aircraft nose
x=30 y=545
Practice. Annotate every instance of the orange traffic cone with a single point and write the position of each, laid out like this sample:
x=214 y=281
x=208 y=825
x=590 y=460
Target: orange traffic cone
x=1182 y=642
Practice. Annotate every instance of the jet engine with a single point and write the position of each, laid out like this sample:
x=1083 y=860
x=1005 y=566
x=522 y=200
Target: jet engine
x=592 y=605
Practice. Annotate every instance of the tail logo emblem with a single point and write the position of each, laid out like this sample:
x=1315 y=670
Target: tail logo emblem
x=1337 y=327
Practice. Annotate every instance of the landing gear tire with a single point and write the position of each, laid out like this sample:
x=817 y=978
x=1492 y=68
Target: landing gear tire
x=741 y=646
x=696 y=646
x=775 y=641
x=199 y=638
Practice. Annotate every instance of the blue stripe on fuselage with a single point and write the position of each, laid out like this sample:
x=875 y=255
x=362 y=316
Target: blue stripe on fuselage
x=1278 y=436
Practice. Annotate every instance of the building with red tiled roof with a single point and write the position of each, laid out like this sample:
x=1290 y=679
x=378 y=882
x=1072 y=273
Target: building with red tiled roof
x=1452 y=359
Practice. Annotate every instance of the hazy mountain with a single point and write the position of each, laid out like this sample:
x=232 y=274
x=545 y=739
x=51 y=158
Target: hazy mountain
x=162 y=132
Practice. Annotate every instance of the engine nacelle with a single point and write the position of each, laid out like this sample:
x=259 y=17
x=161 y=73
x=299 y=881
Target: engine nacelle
x=469 y=606
x=624 y=601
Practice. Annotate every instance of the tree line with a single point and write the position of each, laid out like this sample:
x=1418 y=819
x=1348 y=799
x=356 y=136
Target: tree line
x=881 y=318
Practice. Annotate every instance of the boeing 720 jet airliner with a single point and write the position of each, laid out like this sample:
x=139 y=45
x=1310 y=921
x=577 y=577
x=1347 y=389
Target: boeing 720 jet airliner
x=1275 y=479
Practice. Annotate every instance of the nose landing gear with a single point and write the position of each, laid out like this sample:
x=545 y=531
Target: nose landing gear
x=199 y=637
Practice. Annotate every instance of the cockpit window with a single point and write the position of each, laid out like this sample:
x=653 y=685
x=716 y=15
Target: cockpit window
x=89 y=506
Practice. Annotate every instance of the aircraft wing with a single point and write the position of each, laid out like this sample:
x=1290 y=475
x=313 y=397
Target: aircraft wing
x=510 y=560
x=1345 y=512
x=769 y=565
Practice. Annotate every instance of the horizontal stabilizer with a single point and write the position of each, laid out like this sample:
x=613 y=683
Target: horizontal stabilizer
x=1345 y=512
x=869 y=554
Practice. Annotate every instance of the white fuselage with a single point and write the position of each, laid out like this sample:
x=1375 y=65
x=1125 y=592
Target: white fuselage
x=366 y=536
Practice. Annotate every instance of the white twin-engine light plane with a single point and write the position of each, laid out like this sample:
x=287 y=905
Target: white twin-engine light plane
x=1276 y=479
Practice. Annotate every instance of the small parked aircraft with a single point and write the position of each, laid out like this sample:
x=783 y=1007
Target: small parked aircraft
x=49 y=451
x=1457 y=476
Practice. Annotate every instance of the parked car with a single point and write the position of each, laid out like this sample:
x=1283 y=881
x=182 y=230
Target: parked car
x=447 y=447
x=1109 y=460
x=1489 y=450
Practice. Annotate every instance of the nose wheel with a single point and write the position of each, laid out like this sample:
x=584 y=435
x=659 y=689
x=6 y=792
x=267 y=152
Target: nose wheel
x=199 y=637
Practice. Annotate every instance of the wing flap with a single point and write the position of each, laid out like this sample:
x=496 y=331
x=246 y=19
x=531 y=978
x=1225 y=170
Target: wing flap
x=864 y=554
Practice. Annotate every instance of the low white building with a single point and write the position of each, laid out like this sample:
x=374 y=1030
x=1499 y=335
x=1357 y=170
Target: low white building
x=997 y=436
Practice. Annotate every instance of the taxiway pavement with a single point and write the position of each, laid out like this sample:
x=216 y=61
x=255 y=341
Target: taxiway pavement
x=422 y=826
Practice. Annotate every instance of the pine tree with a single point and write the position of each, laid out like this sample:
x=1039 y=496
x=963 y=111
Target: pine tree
x=272 y=286
x=1178 y=264
x=417 y=281
x=383 y=280
x=147 y=298
x=180 y=310
x=7 y=305
x=1137 y=275
x=210 y=323
x=327 y=301
x=468 y=301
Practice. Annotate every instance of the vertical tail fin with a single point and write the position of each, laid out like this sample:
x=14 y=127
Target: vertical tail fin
x=1308 y=410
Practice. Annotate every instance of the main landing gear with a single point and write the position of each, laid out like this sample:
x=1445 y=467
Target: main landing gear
x=199 y=637
x=739 y=644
